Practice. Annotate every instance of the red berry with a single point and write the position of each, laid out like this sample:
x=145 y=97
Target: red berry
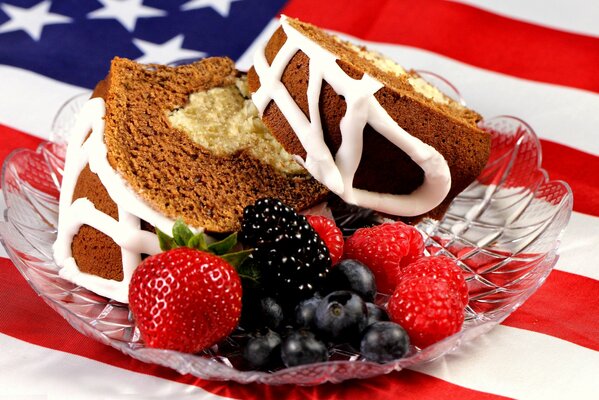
x=439 y=268
x=385 y=249
x=185 y=299
x=427 y=309
x=330 y=234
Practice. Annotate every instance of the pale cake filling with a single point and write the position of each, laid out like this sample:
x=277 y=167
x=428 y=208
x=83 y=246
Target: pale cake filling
x=224 y=120
x=387 y=65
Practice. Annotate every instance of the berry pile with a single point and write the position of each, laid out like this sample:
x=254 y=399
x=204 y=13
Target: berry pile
x=298 y=291
x=341 y=314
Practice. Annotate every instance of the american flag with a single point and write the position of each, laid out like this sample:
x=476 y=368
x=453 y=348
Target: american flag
x=534 y=59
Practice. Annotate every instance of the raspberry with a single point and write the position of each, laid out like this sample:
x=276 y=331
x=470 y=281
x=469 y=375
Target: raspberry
x=385 y=249
x=330 y=233
x=439 y=268
x=427 y=309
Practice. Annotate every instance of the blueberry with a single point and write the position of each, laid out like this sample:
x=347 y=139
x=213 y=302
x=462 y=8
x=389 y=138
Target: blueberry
x=305 y=312
x=258 y=312
x=302 y=347
x=271 y=313
x=354 y=276
x=341 y=316
x=384 y=341
x=375 y=314
x=262 y=349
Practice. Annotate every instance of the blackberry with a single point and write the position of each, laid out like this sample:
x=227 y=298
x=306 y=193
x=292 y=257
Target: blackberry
x=293 y=260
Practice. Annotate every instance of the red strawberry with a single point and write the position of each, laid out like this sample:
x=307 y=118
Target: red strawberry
x=385 y=249
x=439 y=268
x=330 y=234
x=427 y=309
x=185 y=299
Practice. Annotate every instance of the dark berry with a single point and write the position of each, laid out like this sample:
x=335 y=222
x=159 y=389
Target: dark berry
x=271 y=313
x=302 y=347
x=262 y=349
x=384 y=341
x=292 y=259
x=354 y=276
x=341 y=316
x=375 y=314
x=305 y=312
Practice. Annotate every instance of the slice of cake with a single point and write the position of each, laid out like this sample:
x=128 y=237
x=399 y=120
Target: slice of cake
x=373 y=133
x=158 y=143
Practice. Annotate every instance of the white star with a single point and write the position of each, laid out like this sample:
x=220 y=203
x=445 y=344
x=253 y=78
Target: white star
x=223 y=7
x=165 y=53
x=31 y=20
x=125 y=11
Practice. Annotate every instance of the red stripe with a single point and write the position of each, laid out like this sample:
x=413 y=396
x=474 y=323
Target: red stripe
x=566 y=306
x=465 y=33
x=21 y=306
x=11 y=139
x=579 y=169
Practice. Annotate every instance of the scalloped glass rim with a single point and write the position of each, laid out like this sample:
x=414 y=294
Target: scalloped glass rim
x=503 y=230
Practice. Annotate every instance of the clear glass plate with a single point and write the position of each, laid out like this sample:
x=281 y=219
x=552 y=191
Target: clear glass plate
x=503 y=230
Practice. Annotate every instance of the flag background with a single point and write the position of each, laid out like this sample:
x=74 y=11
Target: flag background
x=536 y=59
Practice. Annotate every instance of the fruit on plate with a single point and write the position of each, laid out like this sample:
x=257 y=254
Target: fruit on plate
x=341 y=316
x=427 y=308
x=384 y=341
x=291 y=258
x=297 y=308
x=439 y=268
x=263 y=349
x=187 y=299
x=302 y=347
x=330 y=233
x=385 y=249
x=352 y=275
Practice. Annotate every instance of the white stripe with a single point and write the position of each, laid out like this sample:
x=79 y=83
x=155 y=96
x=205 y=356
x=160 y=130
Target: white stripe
x=521 y=364
x=577 y=16
x=29 y=102
x=28 y=369
x=579 y=250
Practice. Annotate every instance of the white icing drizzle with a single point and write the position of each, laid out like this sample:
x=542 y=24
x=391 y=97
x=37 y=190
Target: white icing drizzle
x=126 y=232
x=337 y=173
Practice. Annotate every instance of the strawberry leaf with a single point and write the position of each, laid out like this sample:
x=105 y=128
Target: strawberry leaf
x=249 y=273
x=223 y=246
x=166 y=242
x=181 y=233
x=198 y=242
x=236 y=259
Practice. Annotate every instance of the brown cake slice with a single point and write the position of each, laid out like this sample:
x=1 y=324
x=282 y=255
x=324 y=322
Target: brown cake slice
x=186 y=140
x=416 y=106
